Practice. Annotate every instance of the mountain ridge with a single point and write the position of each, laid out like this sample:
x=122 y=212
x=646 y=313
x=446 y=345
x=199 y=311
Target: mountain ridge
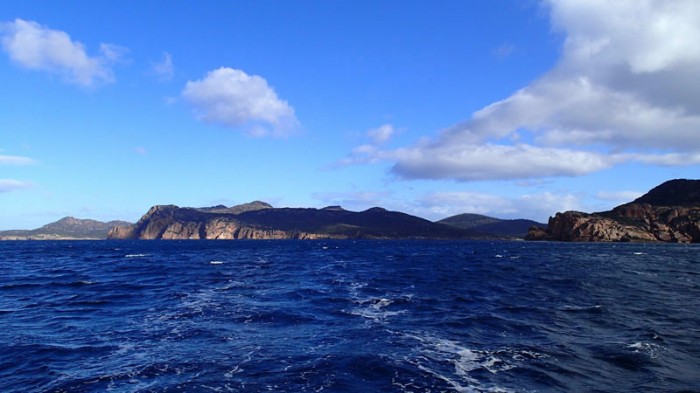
x=515 y=228
x=66 y=228
x=332 y=222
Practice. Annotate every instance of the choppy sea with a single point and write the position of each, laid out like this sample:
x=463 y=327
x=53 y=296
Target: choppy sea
x=348 y=316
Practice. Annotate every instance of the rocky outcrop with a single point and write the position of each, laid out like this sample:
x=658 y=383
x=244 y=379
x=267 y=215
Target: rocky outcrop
x=639 y=221
x=264 y=222
x=581 y=227
x=171 y=222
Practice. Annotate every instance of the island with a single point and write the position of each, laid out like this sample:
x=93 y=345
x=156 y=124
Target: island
x=259 y=220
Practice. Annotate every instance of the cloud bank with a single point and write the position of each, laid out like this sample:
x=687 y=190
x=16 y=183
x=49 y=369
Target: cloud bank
x=164 y=70
x=538 y=206
x=441 y=204
x=7 y=185
x=15 y=160
x=624 y=90
x=232 y=98
x=36 y=47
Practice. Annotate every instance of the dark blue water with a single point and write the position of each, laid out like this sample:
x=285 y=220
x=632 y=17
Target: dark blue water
x=344 y=316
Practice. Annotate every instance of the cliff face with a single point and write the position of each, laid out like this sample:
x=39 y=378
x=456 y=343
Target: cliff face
x=172 y=222
x=264 y=222
x=638 y=221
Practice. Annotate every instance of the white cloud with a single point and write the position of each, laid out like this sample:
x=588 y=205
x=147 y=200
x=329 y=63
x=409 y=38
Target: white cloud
x=7 y=185
x=37 y=47
x=485 y=162
x=668 y=159
x=369 y=153
x=381 y=134
x=619 y=196
x=15 y=160
x=113 y=53
x=164 y=70
x=450 y=203
x=624 y=90
x=543 y=205
x=438 y=205
x=504 y=50
x=232 y=98
x=140 y=150
x=352 y=200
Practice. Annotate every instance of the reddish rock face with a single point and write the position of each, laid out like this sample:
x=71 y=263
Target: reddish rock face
x=259 y=221
x=626 y=223
x=669 y=212
x=168 y=222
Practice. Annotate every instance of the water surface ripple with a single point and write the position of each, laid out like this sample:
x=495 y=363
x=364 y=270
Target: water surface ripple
x=348 y=316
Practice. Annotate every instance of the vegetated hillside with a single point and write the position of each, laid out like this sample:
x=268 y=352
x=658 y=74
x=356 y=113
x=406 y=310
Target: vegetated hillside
x=669 y=212
x=678 y=192
x=517 y=228
x=66 y=228
x=172 y=222
x=255 y=205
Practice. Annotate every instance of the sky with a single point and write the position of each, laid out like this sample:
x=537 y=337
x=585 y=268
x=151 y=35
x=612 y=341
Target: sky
x=512 y=109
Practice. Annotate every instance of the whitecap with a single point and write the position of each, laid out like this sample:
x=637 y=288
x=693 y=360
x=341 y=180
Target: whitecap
x=593 y=308
x=375 y=309
x=650 y=349
x=216 y=262
x=136 y=255
x=434 y=351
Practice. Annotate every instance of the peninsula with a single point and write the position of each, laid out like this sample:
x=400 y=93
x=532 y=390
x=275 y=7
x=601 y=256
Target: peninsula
x=259 y=220
x=669 y=213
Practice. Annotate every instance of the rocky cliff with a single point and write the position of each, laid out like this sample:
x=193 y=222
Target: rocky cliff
x=265 y=222
x=668 y=213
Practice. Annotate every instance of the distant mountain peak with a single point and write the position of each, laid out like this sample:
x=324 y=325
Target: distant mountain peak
x=509 y=228
x=250 y=206
x=334 y=208
x=67 y=228
x=237 y=209
x=260 y=221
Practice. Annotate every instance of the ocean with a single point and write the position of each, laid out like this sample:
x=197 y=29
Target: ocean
x=348 y=316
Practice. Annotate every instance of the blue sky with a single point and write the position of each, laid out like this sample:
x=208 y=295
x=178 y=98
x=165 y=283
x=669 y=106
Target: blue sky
x=504 y=108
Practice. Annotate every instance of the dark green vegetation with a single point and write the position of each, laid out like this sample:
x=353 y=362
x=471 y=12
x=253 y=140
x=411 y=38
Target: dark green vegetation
x=259 y=221
x=679 y=192
x=372 y=223
x=66 y=228
x=507 y=228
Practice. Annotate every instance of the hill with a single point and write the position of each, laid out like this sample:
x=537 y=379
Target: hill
x=678 y=192
x=517 y=228
x=67 y=228
x=670 y=212
x=264 y=222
